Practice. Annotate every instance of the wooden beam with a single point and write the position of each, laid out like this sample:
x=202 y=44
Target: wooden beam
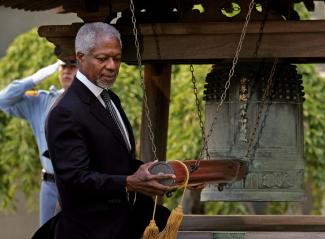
x=218 y=171
x=178 y=42
x=251 y=235
x=157 y=83
x=293 y=223
x=62 y=36
x=205 y=42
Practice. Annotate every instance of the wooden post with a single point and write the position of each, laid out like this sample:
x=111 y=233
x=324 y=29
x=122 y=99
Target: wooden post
x=157 y=83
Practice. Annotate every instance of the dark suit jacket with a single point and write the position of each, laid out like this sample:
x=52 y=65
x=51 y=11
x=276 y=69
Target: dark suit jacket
x=91 y=162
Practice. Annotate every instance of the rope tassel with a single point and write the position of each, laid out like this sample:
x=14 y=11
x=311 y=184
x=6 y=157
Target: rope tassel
x=174 y=221
x=152 y=231
x=173 y=224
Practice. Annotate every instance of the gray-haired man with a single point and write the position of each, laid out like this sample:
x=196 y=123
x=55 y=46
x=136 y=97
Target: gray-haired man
x=104 y=191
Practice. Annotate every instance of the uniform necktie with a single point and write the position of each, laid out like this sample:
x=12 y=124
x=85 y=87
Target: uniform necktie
x=109 y=106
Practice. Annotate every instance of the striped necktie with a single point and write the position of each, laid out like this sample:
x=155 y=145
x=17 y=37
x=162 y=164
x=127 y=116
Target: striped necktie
x=109 y=106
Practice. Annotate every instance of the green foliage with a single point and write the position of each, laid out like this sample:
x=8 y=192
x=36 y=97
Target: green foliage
x=184 y=135
x=314 y=140
x=301 y=10
x=199 y=8
x=19 y=161
x=280 y=208
x=232 y=10
x=314 y=126
x=224 y=208
x=26 y=54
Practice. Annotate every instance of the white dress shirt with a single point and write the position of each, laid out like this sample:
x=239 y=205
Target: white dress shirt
x=96 y=90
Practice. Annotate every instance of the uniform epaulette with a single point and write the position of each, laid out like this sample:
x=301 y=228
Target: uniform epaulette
x=32 y=92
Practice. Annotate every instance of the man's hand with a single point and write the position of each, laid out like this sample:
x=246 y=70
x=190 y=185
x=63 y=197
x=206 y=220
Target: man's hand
x=144 y=182
x=45 y=72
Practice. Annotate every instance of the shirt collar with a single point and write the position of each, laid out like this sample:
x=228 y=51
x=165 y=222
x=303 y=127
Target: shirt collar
x=61 y=91
x=54 y=91
x=96 y=90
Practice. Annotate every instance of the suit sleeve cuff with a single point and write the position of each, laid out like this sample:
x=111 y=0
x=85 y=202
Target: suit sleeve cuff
x=120 y=180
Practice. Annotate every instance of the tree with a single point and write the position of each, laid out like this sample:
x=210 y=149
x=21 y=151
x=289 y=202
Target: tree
x=19 y=163
x=314 y=126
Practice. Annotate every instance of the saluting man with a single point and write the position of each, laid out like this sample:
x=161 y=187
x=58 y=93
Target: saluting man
x=18 y=100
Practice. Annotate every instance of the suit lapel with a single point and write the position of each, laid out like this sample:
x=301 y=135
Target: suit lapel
x=98 y=110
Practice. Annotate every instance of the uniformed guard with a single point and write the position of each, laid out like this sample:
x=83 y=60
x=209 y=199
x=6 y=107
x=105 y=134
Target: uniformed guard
x=20 y=100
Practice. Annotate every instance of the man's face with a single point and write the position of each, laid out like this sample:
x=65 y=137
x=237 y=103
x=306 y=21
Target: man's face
x=103 y=62
x=67 y=74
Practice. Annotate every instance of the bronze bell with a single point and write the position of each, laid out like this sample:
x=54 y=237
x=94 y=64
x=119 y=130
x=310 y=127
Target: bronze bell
x=276 y=166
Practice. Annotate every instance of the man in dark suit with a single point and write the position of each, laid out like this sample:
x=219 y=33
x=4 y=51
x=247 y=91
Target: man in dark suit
x=104 y=191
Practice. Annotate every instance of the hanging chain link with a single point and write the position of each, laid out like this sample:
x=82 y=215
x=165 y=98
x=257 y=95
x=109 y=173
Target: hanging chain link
x=252 y=139
x=199 y=113
x=145 y=98
x=227 y=84
x=260 y=35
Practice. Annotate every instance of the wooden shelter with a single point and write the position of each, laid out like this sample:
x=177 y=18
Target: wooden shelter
x=176 y=31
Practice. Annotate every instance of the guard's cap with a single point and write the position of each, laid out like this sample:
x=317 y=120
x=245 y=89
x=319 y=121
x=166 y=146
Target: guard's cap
x=67 y=62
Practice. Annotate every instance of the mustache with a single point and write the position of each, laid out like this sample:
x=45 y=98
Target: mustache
x=109 y=74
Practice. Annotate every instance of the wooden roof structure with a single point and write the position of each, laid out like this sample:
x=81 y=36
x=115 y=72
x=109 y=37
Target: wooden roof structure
x=121 y=5
x=171 y=30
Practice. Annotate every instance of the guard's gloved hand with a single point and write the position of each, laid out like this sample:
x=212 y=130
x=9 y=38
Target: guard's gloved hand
x=45 y=72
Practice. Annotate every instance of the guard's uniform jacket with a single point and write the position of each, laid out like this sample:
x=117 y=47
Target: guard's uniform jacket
x=18 y=100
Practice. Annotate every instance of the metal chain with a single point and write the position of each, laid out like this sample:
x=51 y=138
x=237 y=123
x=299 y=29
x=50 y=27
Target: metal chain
x=260 y=35
x=251 y=145
x=260 y=130
x=145 y=98
x=258 y=44
x=252 y=139
x=223 y=96
x=199 y=113
x=231 y=73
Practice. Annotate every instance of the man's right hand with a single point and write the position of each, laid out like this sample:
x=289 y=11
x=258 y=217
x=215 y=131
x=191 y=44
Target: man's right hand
x=144 y=182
